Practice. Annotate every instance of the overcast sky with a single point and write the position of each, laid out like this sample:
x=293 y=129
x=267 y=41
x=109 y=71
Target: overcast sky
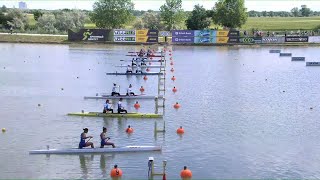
x=259 y=5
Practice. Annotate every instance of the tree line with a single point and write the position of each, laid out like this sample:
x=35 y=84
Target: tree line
x=113 y=14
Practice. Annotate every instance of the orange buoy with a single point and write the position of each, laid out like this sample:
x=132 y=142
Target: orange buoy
x=174 y=89
x=141 y=89
x=116 y=172
x=136 y=105
x=176 y=105
x=173 y=78
x=172 y=70
x=180 y=130
x=129 y=130
x=185 y=173
x=171 y=63
x=147 y=69
x=145 y=77
x=170 y=54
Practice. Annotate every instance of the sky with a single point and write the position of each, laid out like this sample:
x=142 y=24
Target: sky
x=187 y=5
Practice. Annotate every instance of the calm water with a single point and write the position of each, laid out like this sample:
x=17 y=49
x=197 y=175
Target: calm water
x=246 y=113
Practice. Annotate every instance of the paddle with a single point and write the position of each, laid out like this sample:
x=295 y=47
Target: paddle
x=88 y=139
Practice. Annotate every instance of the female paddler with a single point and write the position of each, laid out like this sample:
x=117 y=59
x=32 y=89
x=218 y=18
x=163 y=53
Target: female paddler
x=83 y=138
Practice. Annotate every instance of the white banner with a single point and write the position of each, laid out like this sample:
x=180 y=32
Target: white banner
x=314 y=39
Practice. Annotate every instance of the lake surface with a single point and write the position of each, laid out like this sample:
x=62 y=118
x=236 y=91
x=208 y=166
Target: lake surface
x=246 y=112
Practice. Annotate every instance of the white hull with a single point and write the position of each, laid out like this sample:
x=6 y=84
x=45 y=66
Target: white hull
x=123 y=97
x=97 y=150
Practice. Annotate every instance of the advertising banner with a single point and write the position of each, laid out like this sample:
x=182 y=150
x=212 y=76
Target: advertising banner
x=205 y=39
x=89 y=35
x=269 y=40
x=314 y=39
x=183 y=39
x=147 y=32
x=227 y=40
x=251 y=40
x=124 y=39
x=182 y=33
x=296 y=39
x=146 y=39
x=205 y=33
x=226 y=33
x=164 y=33
x=124 y=32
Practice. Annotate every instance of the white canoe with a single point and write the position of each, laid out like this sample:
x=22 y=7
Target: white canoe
x=97 y=150
x=147 y=66
x=312 y=63
x=123 y=97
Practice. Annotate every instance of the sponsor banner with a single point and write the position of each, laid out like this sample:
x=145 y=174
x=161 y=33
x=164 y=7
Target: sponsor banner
x=182 y=33
x=124 y=39
x=205 y=33
x=165 y=39
x=147 y=32
x=226 y=33
x=89 y=35
x=146 y=39
x=314 y=39
x=296 y=39
x=251 y=40
x=124 y=32
x=164 y=33
x=183 y=39
x=227 y=40
x=205 y=39
x=270 y=40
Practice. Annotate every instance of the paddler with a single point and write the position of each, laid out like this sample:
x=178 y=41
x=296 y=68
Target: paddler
x=141 y=53
x=149 y=52
x=138 y=70
x=132 y=62
x=129 y=91
x=104 y=139
x=129 y=69
x=114 y=90
x=107 y=107
x=120 y=107
x=83 y=138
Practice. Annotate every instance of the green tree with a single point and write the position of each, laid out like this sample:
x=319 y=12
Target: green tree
x=264 y=13
x=37 y=14
x=3 y=9
x=18 y=20
x=172 y=14
x=152 y=20
x=198 y=18
x=112 y=13
x=305 y=12
x=46 y=23
x=230 y=13
x=295 y=12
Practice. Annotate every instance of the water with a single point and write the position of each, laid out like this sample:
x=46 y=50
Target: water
x=246 y=113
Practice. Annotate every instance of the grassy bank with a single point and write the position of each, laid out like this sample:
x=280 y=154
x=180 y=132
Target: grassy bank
x=32 y=39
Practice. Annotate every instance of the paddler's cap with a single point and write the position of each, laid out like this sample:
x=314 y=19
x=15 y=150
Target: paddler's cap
x=104 y=128
x=114 y=84
x=85 y=129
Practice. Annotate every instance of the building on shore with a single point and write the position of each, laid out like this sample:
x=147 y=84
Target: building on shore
x=22 y=5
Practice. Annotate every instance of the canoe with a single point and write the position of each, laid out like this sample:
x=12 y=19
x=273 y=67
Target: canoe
x=274 y=51
x=151 y=73
x=145 y=56
x=285 y=54
x=127 y=115
x=97 y=150
x=154 y=66
x=298 y=58
x=123 y=97
x=154 y=60
x=312 y=63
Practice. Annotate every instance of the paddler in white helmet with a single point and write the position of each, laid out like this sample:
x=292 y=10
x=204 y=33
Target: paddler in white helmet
x=129 y=91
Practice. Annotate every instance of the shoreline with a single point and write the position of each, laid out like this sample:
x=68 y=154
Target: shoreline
x=47 y=39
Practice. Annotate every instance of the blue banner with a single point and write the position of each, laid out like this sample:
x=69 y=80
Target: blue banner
x=182 y=33
x=205 y=39
x=205 y=33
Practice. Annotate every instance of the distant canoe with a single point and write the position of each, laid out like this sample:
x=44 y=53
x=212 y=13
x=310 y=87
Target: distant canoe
x=312 y=63
x=285 y=54
x=298 y=59
x=116 y=115
x=138 y=74
x=274 y=51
